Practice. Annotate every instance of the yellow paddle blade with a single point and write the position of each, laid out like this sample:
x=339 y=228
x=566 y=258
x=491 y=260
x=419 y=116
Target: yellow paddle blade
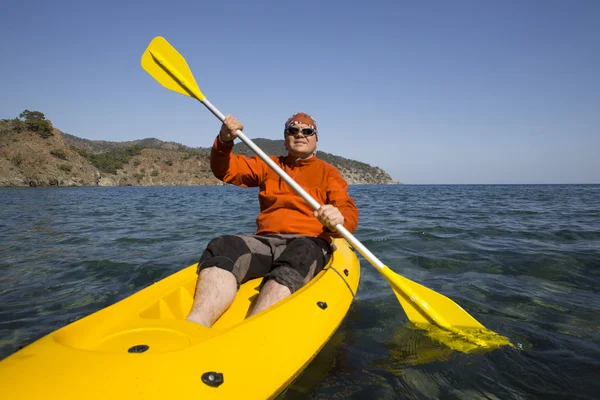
x=438 y=315
x=424 y=306
x=169 y=68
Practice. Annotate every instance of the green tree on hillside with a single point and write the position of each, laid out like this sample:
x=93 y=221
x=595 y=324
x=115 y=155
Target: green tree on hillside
x=32 y=115
x=110 y=161
x=37 y=122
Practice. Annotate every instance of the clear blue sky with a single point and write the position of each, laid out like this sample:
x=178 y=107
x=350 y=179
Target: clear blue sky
x=433 y=92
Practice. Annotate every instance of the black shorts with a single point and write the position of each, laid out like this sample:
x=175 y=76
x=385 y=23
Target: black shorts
x=291 y=260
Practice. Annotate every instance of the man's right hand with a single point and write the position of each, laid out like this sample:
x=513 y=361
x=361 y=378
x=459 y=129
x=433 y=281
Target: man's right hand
x=229 y=128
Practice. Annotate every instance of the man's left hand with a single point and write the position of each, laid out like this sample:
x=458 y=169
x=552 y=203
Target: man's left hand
x=329 y=216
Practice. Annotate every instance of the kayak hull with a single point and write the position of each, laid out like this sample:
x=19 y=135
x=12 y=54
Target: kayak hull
x=142 y=346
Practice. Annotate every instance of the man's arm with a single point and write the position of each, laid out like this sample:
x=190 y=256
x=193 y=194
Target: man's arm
x=235 y=169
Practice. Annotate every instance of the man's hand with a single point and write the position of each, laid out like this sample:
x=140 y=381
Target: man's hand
x=229 y=128
x=329 y=216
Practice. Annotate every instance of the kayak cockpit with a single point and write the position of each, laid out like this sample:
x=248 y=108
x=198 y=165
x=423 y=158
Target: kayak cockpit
x=155 y=318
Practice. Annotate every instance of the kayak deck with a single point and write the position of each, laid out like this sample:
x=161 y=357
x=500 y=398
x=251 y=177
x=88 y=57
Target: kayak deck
x=142 y=346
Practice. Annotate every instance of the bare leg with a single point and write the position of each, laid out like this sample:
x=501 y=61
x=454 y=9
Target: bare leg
x=215 y=292
x=271 y=293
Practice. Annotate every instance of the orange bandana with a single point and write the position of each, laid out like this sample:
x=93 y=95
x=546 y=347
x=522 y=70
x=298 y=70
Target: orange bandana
x=301 y=118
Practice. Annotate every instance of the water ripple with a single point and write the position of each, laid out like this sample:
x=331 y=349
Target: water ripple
x=524 y=260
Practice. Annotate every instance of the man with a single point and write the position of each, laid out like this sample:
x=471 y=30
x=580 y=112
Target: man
x=290 y=245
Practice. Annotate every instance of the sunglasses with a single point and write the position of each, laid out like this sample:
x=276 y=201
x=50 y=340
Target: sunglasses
x=305 y=131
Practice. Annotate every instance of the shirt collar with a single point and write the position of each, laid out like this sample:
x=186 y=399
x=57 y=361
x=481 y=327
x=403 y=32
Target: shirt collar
x=291 y=160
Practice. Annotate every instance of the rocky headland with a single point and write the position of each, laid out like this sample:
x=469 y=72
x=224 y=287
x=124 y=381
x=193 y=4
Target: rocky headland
x=35 y=154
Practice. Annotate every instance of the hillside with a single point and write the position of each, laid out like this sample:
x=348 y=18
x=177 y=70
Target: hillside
x=35 y=154
x=355 y=172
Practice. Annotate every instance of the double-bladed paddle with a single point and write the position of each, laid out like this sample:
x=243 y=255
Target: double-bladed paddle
x=424 y=307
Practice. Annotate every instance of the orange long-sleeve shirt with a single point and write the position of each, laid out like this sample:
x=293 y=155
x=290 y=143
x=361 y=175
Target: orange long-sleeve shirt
x=281 y=209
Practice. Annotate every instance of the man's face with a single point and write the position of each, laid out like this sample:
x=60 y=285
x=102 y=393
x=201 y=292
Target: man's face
x=299 y=141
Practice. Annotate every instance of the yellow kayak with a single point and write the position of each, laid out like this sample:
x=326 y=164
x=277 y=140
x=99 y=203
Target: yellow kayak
x=143 y=348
